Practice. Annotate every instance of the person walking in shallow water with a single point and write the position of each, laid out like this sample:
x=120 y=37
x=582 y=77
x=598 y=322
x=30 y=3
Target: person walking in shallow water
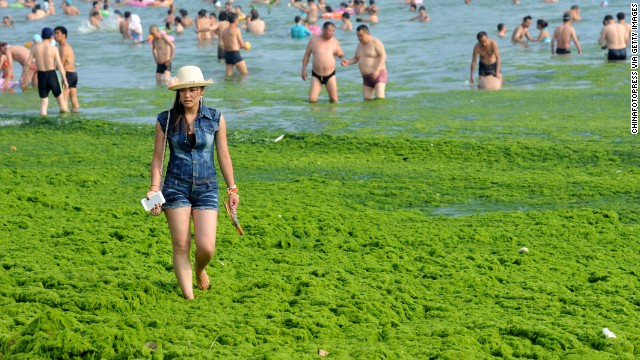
x=324 y=49
x=371 y=59
x=190 y=187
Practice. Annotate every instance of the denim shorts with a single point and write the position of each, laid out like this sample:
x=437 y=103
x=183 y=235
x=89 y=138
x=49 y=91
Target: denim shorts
x=199 y=196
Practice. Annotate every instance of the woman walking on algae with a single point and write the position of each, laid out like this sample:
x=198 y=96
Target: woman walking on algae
x=190 y=188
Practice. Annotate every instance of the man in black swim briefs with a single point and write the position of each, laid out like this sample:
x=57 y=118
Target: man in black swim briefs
x=489 y=58
x=47 y=59
x=486 y=70
x=617 y=55
x=232 y=57
x=324 y=48
x=232 y=42
x=614 y=37
x=562 y=37
x=69 y=64
x=323 y=79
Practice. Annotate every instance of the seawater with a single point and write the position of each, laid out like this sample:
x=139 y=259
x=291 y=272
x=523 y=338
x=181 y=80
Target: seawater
x=432 y=56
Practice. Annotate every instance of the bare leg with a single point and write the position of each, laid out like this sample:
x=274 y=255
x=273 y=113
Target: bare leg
x=332 y=89
x=242 y=67
x=204 y=228
x=380 y=87
x=179 y=221
x=44 y=104
x=314 y=91
x=167 y=77
x=229 y=69
x=63 y=103
x=73 y=93
x=158 y=79
x=367 y=92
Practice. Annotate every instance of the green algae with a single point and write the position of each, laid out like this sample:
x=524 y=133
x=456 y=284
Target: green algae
x=380 y=236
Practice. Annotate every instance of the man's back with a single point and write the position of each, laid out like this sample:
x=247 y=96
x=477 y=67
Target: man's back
x=563 y=36
x=256 y=26
x=45 y=55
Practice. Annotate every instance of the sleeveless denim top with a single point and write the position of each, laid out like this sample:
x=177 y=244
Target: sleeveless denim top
x=194 y=165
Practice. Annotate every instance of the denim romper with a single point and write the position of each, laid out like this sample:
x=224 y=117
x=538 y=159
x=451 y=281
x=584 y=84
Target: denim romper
x=191 y=173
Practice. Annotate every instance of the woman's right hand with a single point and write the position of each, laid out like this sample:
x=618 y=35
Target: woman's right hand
x=157 y=209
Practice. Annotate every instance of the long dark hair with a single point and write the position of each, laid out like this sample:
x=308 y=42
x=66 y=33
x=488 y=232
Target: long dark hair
x=177 y=114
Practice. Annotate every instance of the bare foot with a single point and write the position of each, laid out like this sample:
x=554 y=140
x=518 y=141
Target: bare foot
x=203 y=280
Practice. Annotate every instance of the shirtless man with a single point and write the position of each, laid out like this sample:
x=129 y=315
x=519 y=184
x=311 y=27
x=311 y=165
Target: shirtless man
x=563 y=35
x=232 y=40
x=422 y=15
x=186 y=20
x=255 y=25
x=94 y=20
x=203 y=26
x=490 y=65
x=614 y=37
x=502 y=30
x=311 y=10
x=123 y=27
x=20 y=54
x=221 y=25
x=346 y=22
x=372 y=18
x=36 y=13
x=621 y=21
x=324 y=48
x=371 y=58
x=522 y=31
x=574 y=12
x=47 y=60
x=68 y=9
x=69 y=64
x=163 y=51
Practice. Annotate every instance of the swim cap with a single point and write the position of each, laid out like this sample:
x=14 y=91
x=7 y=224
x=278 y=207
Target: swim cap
x=37 y=38
x=68 y=2
x=47 y=33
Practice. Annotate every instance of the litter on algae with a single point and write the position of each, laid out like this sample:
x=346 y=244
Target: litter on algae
x=358 y=242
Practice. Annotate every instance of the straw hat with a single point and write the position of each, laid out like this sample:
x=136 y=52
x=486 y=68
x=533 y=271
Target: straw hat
x=186 y=77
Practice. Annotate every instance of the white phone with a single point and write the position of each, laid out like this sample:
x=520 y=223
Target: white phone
x=156 y=198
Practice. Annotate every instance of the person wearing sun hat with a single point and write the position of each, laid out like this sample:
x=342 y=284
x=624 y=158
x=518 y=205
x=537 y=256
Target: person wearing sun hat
x=190 y=188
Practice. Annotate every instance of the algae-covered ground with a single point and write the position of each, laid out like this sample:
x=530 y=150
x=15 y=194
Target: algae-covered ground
x=390 y=230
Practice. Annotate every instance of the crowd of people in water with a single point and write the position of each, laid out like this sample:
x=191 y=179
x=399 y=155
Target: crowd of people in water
x=40 y=58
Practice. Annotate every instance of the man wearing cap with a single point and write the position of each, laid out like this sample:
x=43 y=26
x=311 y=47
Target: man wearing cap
x=563 y=36
x=68 y=9
x=47 y=60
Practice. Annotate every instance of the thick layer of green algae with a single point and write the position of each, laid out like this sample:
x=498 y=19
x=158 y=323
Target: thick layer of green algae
x=380 y=237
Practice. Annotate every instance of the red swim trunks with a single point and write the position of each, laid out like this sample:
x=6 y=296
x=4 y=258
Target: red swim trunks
x=370 y=81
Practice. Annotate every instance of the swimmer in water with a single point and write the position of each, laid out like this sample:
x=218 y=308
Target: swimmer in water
x=490 y=66
x=563 y=35
x=521 y=31
x=371 y=59
x=502 y=30
x=422 y=15
x=545 y=36
x=324 y=48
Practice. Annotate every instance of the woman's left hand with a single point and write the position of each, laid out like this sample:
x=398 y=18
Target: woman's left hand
x=234 y=200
